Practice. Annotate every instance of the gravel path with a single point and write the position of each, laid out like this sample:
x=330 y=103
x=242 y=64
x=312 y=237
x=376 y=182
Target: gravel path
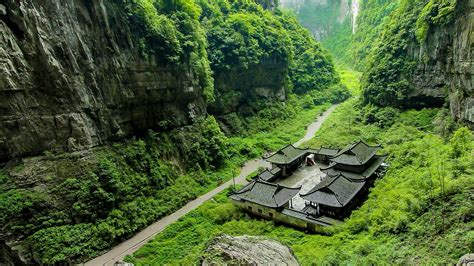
x=131 y=245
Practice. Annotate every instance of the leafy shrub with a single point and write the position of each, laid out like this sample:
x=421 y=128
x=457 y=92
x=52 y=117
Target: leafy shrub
x=435 y=12
x=382 y=117
x=337 y=93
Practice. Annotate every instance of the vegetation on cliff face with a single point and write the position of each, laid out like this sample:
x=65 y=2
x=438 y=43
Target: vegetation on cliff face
x=435 y=13
x=312 y=68
x=386 y=82
x=372 y=19
x=243 y=34
x=388 y=79
x=170 y=31
x=329 y=22
x=112 y=192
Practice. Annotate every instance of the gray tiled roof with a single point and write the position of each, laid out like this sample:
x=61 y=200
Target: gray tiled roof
x=269 y=174
x=265 y=194
x=355 y=176
x=355 y=154
x=334 y=191
x=286 y=155
x=378 y=160
x=275 y=170
x=266 y=175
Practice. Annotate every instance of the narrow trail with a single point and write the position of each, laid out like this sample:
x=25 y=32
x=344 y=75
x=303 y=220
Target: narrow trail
x=131 y=245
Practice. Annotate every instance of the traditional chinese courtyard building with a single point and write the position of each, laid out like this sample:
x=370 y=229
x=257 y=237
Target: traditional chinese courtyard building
x=349 y=172
x=325 y=154
x=273 y=201
x=270 y=175
x=287 y=159
x=264 y=198
x=335 y=196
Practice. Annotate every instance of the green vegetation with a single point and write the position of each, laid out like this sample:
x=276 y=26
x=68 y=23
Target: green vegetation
x=435 y=12
x=420 y=211
x=276 y=126
x=312 y=67
x=109 y=197
x=124 y=187
x=372 y=20
x=242 y=33
x=324 y=20
x=170 y=31
x=387 y=81
x=337 y=36
x=339 y=42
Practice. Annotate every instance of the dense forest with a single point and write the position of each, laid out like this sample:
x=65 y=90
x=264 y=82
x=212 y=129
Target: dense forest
x=148 y=104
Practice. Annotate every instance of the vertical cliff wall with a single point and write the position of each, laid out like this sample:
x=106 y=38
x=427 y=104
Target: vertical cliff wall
x=444 y=64
x=72 y=77
x=424 y=58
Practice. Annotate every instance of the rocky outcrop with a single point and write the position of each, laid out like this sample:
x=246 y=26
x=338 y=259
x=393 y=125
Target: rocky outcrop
x=72 y=77
x=466 y=260
x=247 y=250
x=445 y=65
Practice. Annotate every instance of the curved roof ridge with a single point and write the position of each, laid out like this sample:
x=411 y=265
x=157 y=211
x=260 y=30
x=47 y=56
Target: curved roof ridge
x=325 y=186
x=248 y=187
x=266 y=157
x=345 y=177
x=328 y=167
x=273 y=184
x=274 y=199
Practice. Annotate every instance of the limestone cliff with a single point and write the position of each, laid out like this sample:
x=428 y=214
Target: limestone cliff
x=424 y=58
x=72 y=77
x=240 y=90
x=444 y=64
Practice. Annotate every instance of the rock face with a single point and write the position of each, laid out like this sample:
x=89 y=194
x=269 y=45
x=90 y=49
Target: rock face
x=247 y=250
x=238 y=90
x=322 y=16
x=72 y=78
x=445 y=65
x=466 y=260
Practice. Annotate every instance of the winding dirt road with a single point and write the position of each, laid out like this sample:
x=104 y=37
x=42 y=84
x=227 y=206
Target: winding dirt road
x=131 y=245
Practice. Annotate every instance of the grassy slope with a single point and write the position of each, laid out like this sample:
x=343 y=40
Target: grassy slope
x=400 y=223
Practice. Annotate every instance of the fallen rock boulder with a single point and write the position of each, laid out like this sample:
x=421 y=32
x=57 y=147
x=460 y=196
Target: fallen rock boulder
x=247 y=250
